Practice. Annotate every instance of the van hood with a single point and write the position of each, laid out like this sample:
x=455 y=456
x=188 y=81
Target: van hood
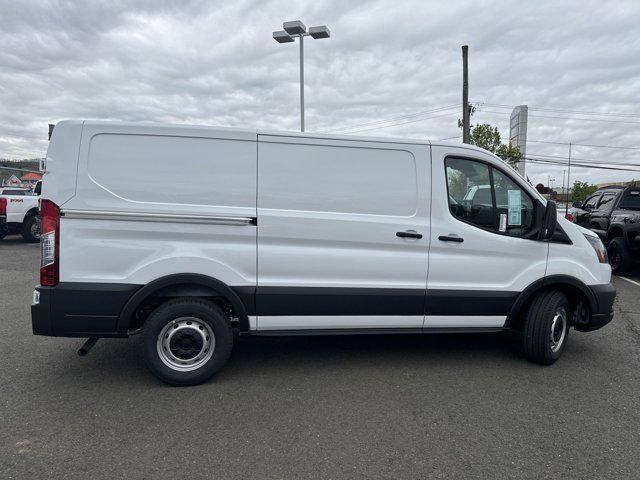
x=583 y=230
x=573 y=229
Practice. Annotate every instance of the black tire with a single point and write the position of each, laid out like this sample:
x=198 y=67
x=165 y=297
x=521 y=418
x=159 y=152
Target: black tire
x=31 y=229
x=168 y=316
x=620 y=257
x=539 y=320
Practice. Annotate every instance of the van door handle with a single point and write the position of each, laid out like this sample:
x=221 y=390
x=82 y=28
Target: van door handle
x=409 y=234
x=451 y=238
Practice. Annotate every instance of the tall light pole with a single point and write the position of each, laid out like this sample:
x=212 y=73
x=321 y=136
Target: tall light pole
x=291 y=31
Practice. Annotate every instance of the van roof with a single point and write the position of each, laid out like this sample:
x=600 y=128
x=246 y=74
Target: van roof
x=318 y=135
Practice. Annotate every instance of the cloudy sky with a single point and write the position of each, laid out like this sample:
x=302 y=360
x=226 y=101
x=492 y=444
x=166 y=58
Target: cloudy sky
x=391 y=68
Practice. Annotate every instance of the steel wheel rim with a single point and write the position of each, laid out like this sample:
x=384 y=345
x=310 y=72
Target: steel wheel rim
x=558 y=329
x=186 y=344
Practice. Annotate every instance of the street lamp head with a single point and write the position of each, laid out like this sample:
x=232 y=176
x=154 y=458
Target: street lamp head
x=282 y=37
x=295 y=28
x=321 y=31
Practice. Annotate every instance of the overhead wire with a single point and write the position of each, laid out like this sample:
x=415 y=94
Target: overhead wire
x=398 y=124
x=583 y=144
x=391 y=119
x=560 y=110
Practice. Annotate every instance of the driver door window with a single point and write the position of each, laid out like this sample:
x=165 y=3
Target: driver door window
x=488 y=198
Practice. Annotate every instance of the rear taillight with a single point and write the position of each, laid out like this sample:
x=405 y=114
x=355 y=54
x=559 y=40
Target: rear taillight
x=569 y=217
x=49 y=243
x=3 y=206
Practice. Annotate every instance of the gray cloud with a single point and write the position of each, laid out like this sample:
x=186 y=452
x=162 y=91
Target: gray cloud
x=214 y=63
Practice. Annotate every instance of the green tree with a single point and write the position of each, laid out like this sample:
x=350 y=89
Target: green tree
x=487 y=137
x=581 y=190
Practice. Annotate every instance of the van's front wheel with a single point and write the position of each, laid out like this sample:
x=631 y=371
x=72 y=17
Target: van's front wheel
x=186 y=341
x=546 y=327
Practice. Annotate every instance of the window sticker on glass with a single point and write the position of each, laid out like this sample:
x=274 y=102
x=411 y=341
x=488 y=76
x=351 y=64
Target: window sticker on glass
x=503 y=222
x=515 y=206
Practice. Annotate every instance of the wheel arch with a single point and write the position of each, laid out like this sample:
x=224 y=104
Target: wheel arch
x=31 y=212
x=615 y=231
x=241 y=299
x=576 y=291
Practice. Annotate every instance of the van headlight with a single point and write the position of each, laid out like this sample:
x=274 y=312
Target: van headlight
x=597 y=245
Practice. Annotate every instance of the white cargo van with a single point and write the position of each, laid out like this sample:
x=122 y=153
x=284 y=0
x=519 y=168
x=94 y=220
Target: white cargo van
x=286 y=233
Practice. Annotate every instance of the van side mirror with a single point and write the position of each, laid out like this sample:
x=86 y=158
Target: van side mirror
x=550 y=220
x=577 y=204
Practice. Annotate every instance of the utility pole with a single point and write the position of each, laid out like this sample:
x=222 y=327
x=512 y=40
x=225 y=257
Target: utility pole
x=465 y=94
x=566 y=211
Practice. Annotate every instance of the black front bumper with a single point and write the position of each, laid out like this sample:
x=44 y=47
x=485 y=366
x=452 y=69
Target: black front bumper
x=81 y=309
x=603 y=312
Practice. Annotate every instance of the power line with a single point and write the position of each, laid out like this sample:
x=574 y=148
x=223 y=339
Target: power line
x=601 y=120
x=392 y=119
x=587 y=160
x=398 y=124
x=355 y=129
x=584 y=145
x=559 y=110
x=578 y=164
x=396 y=121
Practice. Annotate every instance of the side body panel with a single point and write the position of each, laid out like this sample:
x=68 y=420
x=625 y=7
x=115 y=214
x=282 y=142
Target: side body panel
x=328 y=215
x=579 y=260
x=147 y=202
x=475 y=282
x=59 y=180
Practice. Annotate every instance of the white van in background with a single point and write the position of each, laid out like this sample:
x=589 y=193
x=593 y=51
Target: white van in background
x=286 y=233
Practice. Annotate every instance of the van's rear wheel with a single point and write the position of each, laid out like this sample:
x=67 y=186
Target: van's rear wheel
x=186 y=341
x=546 y=327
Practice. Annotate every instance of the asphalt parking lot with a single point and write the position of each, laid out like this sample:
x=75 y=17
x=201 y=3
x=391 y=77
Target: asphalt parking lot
x=440 y=406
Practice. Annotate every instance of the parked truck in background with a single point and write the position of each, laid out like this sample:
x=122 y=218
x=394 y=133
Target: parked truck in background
x=614 y=214
x=20 y=206
x=3 y=217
